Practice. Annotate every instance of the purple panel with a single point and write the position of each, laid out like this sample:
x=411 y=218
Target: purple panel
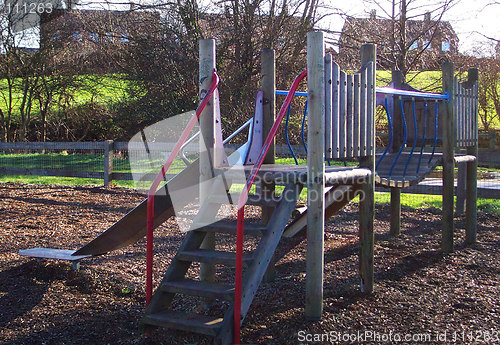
x=256 y=137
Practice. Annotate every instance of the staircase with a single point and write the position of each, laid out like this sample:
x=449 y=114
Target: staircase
x=213 y=314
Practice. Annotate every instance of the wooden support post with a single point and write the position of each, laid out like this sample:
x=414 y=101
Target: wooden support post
x=471 y=189
x=448 y=135
x=397 y=123
x=108 y=162
x=367 y=195
x=268 y=75
x=461 y=187
x=315 y=176
x=268 y=71
x=395 y=211
x=207 y=142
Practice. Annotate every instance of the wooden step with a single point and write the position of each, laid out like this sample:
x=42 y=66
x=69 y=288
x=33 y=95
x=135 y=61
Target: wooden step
x=199 y=288
x=229 y=227
x=211 y=256
x=253 y=199
x=186 y=322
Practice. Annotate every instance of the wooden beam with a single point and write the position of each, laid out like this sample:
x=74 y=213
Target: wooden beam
x=448 y=135
x=397 y=121
x=268 y=75
x=268 y=86
x=461 y=188
x=367 y=196
x=315 y=176
x=471 y=185
x=395 y=211
x=397 y=80
x=207 y=142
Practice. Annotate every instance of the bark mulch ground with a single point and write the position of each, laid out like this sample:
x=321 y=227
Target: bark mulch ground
x=420 y=293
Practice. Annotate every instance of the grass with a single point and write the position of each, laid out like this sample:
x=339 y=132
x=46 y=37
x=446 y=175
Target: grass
x=57 y=180
x=102 y=89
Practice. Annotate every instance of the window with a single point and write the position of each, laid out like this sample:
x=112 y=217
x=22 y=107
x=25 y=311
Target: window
x=108 y=37
x=414 y=45
x=445 y=46
x=93 y=37
x=427 y=45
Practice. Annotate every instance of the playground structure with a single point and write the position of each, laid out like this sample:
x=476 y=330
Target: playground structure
x=341 y=124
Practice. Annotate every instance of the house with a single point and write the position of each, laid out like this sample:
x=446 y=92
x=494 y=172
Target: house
x=427 y=43
x=91 y=41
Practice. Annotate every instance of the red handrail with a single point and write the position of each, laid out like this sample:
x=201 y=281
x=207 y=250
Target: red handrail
x=243 y=199
x=159 y=178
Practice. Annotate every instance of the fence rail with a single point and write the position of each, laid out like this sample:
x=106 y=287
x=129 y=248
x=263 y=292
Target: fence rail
x=107 y=150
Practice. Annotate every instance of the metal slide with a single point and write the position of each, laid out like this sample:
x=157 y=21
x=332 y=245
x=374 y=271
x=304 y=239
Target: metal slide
x=132 y=227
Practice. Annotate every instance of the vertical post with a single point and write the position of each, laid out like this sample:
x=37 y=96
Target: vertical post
x=367 y=197
x=395 y=229
x=268 y=71
x=108 y=162
x=328 y=105
x=397 y=122
x=448 y=135
x=461 y=187
x=268 y=75
x=315 y=176
x=492 y=136
x=471 y=187
x=397 y=81
x=207 y=142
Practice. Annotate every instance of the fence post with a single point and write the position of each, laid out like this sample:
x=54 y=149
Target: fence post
x=471 y=187
x=448 y=135
x=367 y=197
x=108 y=162
x=315 y=175
x=492 y=136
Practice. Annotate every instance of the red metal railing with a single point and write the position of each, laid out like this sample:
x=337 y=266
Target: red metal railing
x=159 y=178
x=241 y=206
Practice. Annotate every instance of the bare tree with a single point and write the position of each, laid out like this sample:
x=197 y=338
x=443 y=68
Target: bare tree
x=410 y=34
x=489 y=92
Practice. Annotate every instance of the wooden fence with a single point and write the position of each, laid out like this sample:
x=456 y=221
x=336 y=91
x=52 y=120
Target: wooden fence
x=487 y=156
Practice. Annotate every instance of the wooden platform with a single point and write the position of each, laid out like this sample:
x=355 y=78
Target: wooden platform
x=55 y=254
x=284 y=174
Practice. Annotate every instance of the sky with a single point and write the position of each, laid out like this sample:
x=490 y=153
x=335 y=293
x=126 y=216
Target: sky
x=469 y=18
